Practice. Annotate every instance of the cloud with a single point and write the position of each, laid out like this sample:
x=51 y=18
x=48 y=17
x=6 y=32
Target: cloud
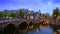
x=49 y=3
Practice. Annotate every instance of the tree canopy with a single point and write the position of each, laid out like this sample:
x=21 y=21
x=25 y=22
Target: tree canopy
x=5 y=12
x=20 y=14
x=12 y=14
x=55 y=13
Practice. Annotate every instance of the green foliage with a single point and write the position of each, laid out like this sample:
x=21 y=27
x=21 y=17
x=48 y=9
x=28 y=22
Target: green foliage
x=20 y=14
x=55 y=13
x=5 y=12
x=12 y=14
x=1 y=14
x=59 y=12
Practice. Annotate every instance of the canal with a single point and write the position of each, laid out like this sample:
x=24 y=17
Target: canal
x=43 y=30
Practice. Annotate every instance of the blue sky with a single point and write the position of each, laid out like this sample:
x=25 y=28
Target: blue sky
x=43 y=5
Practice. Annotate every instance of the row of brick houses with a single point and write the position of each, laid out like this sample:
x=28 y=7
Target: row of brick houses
x=29 y=14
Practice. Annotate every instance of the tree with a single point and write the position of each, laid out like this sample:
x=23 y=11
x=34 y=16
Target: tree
x=1 y=15
x=59 y=12
x=55 y=13
x=20 y=14
x=47 y=15
x=12 y=15
x=5 y=13
x=59 y=16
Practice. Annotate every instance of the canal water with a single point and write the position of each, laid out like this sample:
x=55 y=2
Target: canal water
x=41 y=31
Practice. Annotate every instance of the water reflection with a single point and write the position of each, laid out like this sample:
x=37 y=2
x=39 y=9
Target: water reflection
x=46 y=31
x=41 y=31
x=43 y=28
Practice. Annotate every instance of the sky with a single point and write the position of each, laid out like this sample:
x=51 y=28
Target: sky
x=43 y=5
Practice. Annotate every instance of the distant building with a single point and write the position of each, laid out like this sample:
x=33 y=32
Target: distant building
x=47 y=16
x=36 y=15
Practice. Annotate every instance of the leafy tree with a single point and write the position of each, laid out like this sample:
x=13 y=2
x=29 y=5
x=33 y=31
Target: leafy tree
x=1 y=15
x=59 y=13
x=41 y=16
x=47 y=16
x=55 y=13
x=20 y=14
x=5 y=13
x=40 y=13
x=12 y=15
